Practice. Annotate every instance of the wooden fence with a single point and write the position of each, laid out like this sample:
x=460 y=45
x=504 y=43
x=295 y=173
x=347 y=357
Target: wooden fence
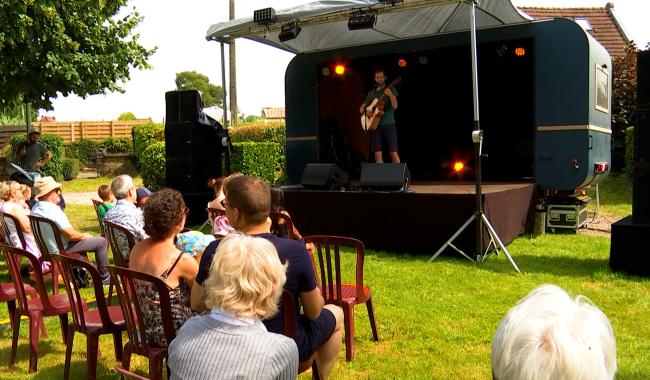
x=76 y=130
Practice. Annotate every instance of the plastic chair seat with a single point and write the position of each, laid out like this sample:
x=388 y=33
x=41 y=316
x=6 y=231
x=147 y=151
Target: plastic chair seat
x=94 y=319
x=8 y=292
x=59 y=304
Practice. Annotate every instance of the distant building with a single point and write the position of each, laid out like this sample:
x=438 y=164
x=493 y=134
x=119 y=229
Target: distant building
x=273 y=113
x=600 y=22
x=46 y=119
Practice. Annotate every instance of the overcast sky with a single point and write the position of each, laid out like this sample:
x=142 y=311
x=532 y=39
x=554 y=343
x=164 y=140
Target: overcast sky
x=178 y=29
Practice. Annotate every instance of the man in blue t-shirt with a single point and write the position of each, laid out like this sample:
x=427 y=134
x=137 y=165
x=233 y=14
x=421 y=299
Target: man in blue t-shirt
x=319 y=329
x=386 y=132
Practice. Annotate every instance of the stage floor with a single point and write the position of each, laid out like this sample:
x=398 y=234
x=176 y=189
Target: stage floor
x=419 y=220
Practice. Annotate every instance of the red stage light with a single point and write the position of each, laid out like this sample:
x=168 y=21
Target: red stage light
x=459 y=166
x=520 y=52
x=401 y=62
x=339 y=69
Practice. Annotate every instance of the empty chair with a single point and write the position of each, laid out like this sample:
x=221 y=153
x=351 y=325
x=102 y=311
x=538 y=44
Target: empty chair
x=92 y=323
x=132 y=310
x=34 y=309
x=334 y=291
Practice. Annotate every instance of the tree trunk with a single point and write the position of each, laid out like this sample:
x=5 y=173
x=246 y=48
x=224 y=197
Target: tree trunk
x=233 y=73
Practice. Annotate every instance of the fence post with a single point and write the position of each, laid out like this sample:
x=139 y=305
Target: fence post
x=81 y=130
x=111 y=128
x=72 y=131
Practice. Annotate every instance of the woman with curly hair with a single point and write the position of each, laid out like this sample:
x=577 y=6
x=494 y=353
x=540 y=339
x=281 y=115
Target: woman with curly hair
x=164 y=217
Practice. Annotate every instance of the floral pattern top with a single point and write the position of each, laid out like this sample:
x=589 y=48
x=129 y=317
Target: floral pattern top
x=150 y=302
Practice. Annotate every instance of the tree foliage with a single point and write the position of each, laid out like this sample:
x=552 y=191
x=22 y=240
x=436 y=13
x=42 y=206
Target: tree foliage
x=623 y=101
x=192 y=80
x=79 y=47
x=126 y=116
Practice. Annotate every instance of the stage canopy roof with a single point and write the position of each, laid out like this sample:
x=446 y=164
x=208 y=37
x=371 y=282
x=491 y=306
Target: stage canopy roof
x=324 y=23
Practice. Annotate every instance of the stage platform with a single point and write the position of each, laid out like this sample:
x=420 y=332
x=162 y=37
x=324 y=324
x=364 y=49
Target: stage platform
x=419 y=220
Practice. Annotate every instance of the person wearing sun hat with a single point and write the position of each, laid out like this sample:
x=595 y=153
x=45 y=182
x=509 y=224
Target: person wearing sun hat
x=48 y=194
x=143 y=195
x=31 y=156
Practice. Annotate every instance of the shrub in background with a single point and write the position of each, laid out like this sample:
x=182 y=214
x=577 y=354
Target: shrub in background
x=629 y=152
x=144 y=135
x=117 y=145
x=124 y=116
x=84 y=150
x=261 y=159
x=70 y=167
x=261 y=132
x=152 y=165
x=53 y=143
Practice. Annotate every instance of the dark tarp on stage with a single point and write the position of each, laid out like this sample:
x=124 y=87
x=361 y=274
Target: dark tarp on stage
x=418 y=221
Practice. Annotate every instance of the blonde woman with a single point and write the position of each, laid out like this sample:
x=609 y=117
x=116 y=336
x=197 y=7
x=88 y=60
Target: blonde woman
x=12 y=195
x=231 y=342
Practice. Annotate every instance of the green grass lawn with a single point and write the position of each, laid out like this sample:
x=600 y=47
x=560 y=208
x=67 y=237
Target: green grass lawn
x=91 y=184
x=436 y=321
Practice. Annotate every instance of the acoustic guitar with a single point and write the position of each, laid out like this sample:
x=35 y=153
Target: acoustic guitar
x=375 y=111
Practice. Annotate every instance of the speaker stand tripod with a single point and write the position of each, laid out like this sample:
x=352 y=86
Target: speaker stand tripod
x=477 y=139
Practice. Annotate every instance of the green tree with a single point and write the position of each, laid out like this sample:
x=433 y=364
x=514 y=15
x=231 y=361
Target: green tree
x=82 y=47
x=192 y=80
x=623 y=101
x=13 y=113
x=126 y=116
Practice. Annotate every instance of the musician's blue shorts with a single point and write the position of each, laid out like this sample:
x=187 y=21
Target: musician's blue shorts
x=384 y=134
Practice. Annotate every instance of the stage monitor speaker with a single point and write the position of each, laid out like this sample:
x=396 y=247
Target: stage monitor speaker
x=323 y=177
x=182 y=106
x=643 y=79
x=388 y=177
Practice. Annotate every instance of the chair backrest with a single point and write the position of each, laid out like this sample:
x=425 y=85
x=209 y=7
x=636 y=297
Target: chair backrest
x=281 y=225
x=47 y=236
x=67 y=267
x=328 y=253
x=121 y=240
x=14 y=256
x=96 y=205
x=288 y=307
x=132 y=306
x=8 y=222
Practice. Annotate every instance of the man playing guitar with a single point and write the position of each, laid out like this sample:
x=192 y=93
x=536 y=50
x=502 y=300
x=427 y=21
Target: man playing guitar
x=386 y=132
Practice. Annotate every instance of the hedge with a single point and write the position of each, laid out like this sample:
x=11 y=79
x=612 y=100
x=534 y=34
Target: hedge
x=144 y=135
x=117 y=145
x=53 y=143
x=262 y=159
x=152 y=164
x=70 y=168
x=629 y=151
x=261 y=132
x=83 y=150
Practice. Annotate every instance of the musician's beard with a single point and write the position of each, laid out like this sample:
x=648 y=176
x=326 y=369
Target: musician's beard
x=380 y=84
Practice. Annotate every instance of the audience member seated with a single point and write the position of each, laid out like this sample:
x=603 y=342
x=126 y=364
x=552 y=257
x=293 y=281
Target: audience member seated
x=12 y=195
x=231 y=342
x=216 y=185
x=105 y=194
x=193 y=243
x=125 y=213
x=248 y=203
x=549 y=335
x=48 y=194
x=27 y=197
x=142 y=196
x=164 y=218
x=277 y=204
x=220 y=224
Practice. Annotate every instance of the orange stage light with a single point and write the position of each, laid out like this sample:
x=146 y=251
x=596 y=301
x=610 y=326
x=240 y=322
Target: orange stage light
x=458 y=166
x=401 y=62
x=339 y=69
x=520 y=52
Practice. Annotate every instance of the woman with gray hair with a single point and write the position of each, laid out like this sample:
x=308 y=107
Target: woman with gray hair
x=549 y=335
x=231 y=342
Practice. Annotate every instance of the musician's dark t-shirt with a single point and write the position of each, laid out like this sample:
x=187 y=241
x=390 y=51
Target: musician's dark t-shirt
x=389 y=112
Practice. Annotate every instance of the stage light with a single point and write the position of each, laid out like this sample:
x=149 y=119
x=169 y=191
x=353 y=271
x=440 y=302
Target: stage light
x=289 y=31
x=401 y=62
x=339 y=69
x=362 y=18
x=520 y=52
x=459 y=167
x=264 y=16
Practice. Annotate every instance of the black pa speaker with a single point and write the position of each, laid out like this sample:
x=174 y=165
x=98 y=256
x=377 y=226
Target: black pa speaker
x=385 y=176
x=643 y=79
x=182 y=106
x=323 y=177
